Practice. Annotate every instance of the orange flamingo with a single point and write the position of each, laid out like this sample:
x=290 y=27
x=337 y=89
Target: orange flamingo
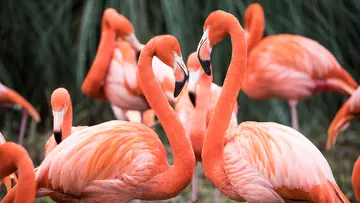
x=62 y=111
x=14 y=156
x=257 y=161
x=290 y=67
x=8 y=179
x=11 y=99
x=349 y=111
x=195 y=112
x=113 y=75
x=118 y=161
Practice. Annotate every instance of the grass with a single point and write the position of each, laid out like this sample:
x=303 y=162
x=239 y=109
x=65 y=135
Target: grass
x=45 y=45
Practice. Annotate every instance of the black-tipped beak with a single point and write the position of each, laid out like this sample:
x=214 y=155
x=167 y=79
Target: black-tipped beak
x=192 y=97
x=138 y=56
x=180 y=65
x=180 y=85
x=57 y=135
x=205 y=64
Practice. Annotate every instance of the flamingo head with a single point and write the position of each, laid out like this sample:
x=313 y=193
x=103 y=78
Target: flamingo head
x=167 y=49
x=349 y=111
x=60 y=100
x=194 y=75
x=217 y=25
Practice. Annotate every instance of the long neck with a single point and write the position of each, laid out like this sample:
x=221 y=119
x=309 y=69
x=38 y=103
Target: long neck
x=255 y=26
x=92 y=85
x=67 y=123
x=14 y=156
x=198 y=116
x=212 y=154
x=174 y=178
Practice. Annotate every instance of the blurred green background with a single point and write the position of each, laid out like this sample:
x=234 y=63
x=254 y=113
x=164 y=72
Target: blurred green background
x=48 y=44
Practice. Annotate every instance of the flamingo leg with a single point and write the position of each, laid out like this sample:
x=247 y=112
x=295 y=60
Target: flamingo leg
x=194 y=185
x=294 y=115
x=23 y=126
x=217 y=196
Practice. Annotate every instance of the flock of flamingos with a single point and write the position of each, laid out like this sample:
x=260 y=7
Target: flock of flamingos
x=121 y=161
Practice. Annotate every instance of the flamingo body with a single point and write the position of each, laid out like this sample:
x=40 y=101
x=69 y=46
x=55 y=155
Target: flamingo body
x=293 y=67
x=116 y=157
x=268 y=162
x=122 y=87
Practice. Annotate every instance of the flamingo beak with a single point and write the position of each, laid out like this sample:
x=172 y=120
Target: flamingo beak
x=58 y=121
x=194 y=77
x=180 y=77
x=340 y=123
x=204 y=52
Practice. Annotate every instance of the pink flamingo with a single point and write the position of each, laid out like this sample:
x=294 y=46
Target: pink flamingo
x=118 y=161
x=195 y=112
x=289 y=67
x=113 y=76
x=257 y=161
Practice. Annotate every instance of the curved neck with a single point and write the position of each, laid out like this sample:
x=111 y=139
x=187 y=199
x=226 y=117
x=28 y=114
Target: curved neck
x=212 y=154
x=174 y=178
x=13 y=157
x=92 y=85
x=199 y=115
x=67 y=123
x=255 y=26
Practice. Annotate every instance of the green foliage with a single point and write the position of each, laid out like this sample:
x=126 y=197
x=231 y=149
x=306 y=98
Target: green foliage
x=48 y=44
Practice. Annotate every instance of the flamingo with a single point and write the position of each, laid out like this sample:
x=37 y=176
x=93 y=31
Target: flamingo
x=195 y=112
x=62 y=111
x=113 y=75
x=289 y=67
x=257 y=161
x=12 y=99
x=7 y=180
x=14 y=156
x=118 y=161
x=349 y=111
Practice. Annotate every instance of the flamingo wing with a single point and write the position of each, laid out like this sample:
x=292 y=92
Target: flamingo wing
x=105 y=161
x=260 y=158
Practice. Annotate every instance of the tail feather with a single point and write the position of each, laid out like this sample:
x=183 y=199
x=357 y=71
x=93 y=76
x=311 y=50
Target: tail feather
x=327 y=192
x=341 y=196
